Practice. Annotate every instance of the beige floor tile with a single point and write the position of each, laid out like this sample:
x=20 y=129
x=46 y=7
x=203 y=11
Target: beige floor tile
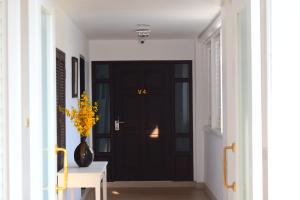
x=154 y=194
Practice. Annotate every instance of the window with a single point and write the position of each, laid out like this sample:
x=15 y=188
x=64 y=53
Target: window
x=208 y=63
x=213 y=61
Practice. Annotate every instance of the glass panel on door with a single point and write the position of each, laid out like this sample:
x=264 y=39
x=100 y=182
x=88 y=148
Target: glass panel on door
x=102 y=96
x=101 y=71
x=103 y=145
x=182 y=111
x=182 y=144
x=181 y=70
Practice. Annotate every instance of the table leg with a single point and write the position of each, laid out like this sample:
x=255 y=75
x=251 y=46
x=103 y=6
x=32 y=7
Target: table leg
x=72 y=194
x=97 y=193
x=61 y=195
x=105 y=186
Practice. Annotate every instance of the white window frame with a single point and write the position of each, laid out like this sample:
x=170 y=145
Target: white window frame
x=215 y=103
x=207 y=57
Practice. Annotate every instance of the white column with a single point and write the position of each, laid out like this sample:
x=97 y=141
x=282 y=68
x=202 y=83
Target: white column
x=35 y=100
x=14 y=99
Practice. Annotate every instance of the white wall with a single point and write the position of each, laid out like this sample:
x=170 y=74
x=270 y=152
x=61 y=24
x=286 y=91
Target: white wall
x=102 y=50
x=213 y=162
x=73 y=43
x=211 y=140
x=69 y=39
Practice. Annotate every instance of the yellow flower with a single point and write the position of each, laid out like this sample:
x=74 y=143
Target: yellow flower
x=85 y=117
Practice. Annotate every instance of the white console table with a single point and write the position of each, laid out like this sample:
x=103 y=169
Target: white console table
x=85 y=177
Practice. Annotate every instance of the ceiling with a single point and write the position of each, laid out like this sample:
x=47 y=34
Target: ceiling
x=117 y=19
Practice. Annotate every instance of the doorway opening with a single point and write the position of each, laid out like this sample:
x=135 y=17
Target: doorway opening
x=146 y=130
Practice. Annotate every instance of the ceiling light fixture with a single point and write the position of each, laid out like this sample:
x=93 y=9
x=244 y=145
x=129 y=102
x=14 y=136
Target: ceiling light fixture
x=143 y=32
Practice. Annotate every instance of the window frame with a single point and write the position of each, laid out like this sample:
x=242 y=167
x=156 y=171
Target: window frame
x=109 y=82
x=215 y=118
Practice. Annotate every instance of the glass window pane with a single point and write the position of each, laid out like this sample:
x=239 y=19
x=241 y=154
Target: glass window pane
x=102 y=96
x=182 y=144
x=182 y=111
x=101 y=71
x=102 y=145
x=181 y=71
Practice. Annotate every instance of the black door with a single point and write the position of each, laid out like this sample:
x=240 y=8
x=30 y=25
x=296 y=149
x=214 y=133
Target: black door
x=128 y=109
x=156 y=122
x=145 y=128
x=142 y=106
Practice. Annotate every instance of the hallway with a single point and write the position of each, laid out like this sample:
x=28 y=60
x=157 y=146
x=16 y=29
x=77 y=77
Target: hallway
x=154 y=193
x=162 y=91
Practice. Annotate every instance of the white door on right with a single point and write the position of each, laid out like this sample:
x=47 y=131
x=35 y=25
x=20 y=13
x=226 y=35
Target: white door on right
x=242 y=101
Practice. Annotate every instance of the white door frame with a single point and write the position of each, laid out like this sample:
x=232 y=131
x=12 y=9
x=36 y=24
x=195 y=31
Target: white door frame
x=230 y=11
x=257 y=101
x=36 y=8
x=15 y=173
x=265 y=56
x=4 y=129
x=229 y=91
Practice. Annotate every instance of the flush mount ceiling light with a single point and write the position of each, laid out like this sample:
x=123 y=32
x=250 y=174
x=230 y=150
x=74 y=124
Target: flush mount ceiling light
x=143 y=32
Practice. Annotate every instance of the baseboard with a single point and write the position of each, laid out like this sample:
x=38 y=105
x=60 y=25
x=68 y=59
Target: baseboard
x=200 y=186
x=150 y=184
x=208 y=192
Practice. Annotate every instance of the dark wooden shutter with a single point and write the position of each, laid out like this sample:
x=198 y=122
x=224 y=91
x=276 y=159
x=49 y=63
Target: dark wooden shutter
x=60 y=102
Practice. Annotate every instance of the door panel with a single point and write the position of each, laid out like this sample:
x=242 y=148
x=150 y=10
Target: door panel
x=127 y=157
x=238 y=97
x=157 y=124
x=130 y=113
x=154 y=114
x=141 y=143
x=128 y=78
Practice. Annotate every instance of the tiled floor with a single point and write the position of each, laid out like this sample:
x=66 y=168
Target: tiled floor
x=154 y=194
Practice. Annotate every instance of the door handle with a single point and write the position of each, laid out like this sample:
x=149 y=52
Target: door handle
x=61 y=188
x=117 y=125
x=233 y=149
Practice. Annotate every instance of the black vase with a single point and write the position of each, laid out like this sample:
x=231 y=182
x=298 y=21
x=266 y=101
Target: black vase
x=83 y=154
